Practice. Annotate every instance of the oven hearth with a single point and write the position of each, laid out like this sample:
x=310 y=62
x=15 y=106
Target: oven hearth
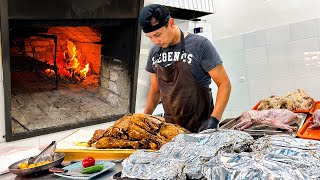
x=87 y=86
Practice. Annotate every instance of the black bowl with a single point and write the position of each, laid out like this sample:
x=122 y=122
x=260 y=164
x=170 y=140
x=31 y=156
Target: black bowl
x=13 y=168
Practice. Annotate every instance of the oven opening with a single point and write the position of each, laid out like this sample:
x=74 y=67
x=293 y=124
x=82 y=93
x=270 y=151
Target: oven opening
x=64 y=77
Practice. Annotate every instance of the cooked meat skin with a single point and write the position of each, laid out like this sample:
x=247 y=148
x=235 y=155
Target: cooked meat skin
x=170 y=130
x=119 y=128
x=272 y=102
x=111 y=142
x=297 y=100
x=99 y=133
x=136 y=131
x=149 y=123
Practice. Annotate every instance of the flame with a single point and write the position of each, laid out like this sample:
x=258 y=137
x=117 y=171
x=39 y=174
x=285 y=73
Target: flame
x=84 y=71
x=72 y=65
x=49 y=72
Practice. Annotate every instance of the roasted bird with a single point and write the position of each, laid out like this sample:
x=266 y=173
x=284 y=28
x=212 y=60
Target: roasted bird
x=136 y=131
x=272 y=102
x=297 y=100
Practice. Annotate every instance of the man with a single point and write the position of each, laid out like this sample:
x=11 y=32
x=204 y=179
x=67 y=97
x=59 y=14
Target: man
x=181 y=67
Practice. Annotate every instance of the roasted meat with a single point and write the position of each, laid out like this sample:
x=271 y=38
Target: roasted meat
x=96 y=136
x=136 y=131
x=297 y=100
x=111 y=142
x=169 y=130
x=149 y=123
x=278 y=118
x=272 y=102
x=120 y=127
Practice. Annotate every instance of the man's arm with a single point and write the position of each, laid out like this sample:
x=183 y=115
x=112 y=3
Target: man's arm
x=153 y=95
x=220 y=77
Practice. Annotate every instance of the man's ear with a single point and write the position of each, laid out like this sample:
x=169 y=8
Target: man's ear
x=171 y=22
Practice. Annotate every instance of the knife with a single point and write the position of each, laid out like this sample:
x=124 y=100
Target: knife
x=74 y=172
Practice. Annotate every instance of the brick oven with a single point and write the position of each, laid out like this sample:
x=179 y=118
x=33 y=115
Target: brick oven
x=68 y=64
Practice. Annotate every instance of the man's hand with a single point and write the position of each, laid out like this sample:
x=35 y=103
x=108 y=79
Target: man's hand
x=210 y=123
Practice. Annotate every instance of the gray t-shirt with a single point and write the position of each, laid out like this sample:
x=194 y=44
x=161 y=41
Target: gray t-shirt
x=200 y=55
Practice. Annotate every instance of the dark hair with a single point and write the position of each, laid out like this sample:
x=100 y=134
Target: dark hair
x=160 y=14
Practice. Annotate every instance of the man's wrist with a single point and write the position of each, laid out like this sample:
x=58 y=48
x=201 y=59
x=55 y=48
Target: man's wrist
x=214 y=118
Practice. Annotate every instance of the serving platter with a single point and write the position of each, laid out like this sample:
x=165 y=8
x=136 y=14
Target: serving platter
x=77 y=167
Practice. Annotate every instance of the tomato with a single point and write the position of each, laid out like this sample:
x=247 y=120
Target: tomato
x=88 y=161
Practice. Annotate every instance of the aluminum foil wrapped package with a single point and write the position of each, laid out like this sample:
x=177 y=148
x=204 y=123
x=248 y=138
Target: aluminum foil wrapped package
x=190 y=151
x=249 y=166
x=187 y=152
x=294 y=150
x=219 y=140
x=274 y=157
x=152 y=165
x=192 y=154
x=268 y=143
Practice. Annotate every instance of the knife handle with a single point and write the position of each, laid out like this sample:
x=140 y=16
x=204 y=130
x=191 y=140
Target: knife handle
x=57 y=170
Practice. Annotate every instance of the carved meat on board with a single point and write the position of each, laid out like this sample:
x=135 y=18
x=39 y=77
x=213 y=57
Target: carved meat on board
x=136 y=131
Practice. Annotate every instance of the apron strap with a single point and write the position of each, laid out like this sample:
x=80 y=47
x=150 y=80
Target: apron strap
x=182 y=44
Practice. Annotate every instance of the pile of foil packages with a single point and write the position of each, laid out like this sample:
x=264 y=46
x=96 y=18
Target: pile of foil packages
x=184 y=156
x=227 y=154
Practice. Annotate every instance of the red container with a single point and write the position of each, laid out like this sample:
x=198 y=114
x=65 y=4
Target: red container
x=256 y=106
x=306 y=133
x=315 y=107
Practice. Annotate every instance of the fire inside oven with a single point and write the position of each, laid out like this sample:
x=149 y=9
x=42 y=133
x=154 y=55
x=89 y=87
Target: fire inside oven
x=59 y=77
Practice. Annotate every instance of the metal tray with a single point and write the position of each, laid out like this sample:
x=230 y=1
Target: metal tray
x=307 y=133
x=315 y=107
x=57 y=160
x=258 y=130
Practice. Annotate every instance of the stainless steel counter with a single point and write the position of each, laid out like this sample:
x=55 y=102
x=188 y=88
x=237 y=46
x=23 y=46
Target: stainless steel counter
x=108 y=175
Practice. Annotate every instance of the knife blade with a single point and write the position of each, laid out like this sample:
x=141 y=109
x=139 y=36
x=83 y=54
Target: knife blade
x=74 y=172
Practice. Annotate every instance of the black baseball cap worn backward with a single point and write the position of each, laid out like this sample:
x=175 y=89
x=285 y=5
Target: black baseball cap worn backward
x=153 y=17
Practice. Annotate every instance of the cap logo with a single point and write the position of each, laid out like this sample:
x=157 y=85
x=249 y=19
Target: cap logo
x=154 y=21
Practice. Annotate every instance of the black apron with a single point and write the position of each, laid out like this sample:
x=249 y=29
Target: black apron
x=185 y=102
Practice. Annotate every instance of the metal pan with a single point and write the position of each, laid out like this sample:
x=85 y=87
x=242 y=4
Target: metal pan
x=259 y=130
x=13 y=168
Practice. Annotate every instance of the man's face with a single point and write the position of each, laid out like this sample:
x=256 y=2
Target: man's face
x=162 y=37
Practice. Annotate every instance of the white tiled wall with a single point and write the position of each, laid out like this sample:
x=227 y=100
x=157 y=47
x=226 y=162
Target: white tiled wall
x=278 y=35
x=304 y=30
x=276 y=60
